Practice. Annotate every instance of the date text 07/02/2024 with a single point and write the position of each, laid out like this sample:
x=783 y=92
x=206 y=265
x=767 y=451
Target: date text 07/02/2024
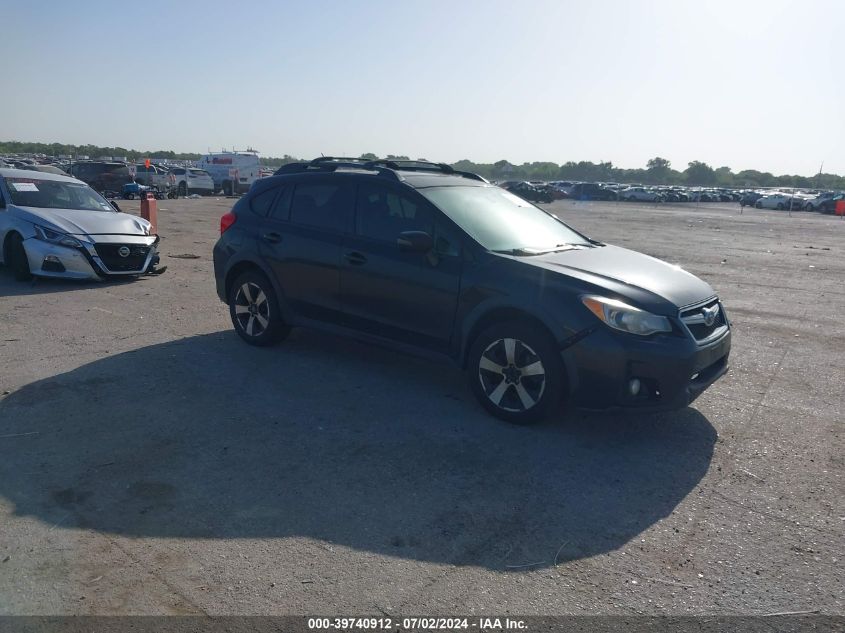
x=416 y=624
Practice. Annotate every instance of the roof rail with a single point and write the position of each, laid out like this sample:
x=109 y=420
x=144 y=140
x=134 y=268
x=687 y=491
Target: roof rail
x=383 y=167
x=424 y=165
x=338 y=159
x=330 y=164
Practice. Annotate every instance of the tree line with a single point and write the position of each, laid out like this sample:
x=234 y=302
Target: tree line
x=657 y=171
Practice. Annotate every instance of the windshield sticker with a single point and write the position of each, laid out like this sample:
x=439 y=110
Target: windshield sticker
x=23 y=186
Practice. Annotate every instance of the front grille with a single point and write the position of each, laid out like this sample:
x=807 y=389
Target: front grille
x=112 y=259
x=695 y=320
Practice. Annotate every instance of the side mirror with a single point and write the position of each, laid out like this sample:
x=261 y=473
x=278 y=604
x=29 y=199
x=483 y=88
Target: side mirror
x=415 y=242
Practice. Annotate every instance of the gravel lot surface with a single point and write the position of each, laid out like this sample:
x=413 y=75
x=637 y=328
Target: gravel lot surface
x=152 y=463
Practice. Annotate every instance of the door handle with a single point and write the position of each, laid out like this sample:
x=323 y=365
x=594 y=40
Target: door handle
x=355 y=258
x=273 y=238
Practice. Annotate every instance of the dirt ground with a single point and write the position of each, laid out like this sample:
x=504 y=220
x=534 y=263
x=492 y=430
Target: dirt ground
x=152 y=463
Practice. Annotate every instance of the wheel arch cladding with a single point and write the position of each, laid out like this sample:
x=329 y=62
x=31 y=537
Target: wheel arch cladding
x=245 y=265
x=500 y=314
x=240 y=268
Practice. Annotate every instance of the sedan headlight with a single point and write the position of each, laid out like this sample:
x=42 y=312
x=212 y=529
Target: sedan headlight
x=54 y=237
x=624 y=317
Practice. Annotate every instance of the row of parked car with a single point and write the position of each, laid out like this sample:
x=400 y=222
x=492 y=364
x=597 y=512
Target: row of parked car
x=226 y=172
x=821 y=201
x=544 y=192
x=118 y=178
x=558 y=190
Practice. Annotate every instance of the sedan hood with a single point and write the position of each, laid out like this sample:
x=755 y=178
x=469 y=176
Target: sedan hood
x=76 y=222
x=630 y=268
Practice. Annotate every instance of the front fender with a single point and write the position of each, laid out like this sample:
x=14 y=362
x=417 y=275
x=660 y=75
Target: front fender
x=10 y=222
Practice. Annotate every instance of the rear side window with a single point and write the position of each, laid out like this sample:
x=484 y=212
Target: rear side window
x=321 y=205
x=261 y=203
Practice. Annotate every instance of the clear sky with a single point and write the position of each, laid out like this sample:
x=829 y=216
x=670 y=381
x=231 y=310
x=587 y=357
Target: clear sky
x=747 y=84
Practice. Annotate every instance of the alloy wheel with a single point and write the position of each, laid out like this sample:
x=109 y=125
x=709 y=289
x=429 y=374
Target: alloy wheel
x=252 y=309
x=512 y=375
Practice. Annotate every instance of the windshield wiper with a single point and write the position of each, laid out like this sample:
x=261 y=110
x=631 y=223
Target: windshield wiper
x=527 y=251
x=520 y=252
x=567 y=246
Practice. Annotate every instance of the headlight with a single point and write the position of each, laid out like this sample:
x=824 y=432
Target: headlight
x=621 y=316
x=55 y=237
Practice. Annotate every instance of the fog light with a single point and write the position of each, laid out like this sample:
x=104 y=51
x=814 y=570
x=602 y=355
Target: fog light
x=634 y=386
x=52 y=264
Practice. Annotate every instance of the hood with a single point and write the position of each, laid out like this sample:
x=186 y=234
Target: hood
x=629 y=268
x=76 y=222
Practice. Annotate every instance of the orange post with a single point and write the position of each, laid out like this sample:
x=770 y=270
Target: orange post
x=840 y=207
x=149 y=211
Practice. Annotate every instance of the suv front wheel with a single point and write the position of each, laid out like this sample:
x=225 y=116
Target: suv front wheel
x=255 y=310
x=516 y=372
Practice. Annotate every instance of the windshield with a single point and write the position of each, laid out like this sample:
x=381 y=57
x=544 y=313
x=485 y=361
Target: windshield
x=55 y=194
x=501 y=221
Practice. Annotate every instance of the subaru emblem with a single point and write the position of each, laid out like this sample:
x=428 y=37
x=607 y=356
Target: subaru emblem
x=709 y=315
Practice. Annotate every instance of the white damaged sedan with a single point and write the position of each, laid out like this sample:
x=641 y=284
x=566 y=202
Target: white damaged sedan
x=57 y=226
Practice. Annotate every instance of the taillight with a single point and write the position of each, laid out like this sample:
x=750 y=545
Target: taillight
x=226 y=221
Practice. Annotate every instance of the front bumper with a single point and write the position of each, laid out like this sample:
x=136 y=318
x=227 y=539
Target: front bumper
x=54 y=260
x=673 y=370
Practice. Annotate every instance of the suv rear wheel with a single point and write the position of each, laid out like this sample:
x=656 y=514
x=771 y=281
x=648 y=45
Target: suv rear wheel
x=255 y=310
x=516 y=373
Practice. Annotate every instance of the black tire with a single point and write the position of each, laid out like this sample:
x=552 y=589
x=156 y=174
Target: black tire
x=182 y=190
x=130 y=196
x=780 y=206
x=758 y=205
x=227 y=188
x=495 y=359
x=257 y=322
x=16 y=259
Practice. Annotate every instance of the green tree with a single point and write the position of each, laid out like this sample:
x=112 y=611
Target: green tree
x=369 y=156
x=724 y=177
x=657 y=170
x=699 y=173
